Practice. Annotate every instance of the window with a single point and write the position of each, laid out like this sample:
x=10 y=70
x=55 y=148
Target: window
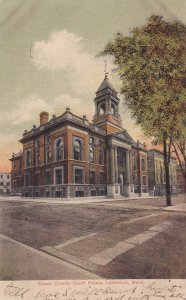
x=27 y=179
x=92 y=176
x=37 y=152
x=79 y=194
x=102 y=177
x=7 y=176
x=161 y=174
x=78 y=175
x=157 y=178
x=113 y=109
x=135 y=162
x=48 y=149
x=58 y=176
x=144 y=180
x=36 y=178
x=121 y=159
x=143 y=164
x=47 y=177
x=28 y=158
x=59 y=194
x=59 y=149
x=47 y=194
x=135 y=179
x=101 y=156
x=14 y=183
x=91 y=154
x=102 y=109
x=77 y=149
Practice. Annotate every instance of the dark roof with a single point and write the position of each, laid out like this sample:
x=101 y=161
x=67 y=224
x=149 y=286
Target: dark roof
x=105 y=84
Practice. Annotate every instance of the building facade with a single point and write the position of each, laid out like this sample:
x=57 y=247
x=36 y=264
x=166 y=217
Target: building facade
x=17 y=173
x=5 y=183
x=156 y=173
x=181 y=185
x=67 y=156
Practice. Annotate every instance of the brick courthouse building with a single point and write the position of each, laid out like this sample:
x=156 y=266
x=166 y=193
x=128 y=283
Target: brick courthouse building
x=67 y=156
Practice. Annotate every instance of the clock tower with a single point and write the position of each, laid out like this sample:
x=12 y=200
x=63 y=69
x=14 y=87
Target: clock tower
x=107 y=107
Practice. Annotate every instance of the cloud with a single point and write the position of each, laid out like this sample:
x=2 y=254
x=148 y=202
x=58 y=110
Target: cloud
x=62 y=101
x=61 y=50
x=28 y=112
x=64 y=51
x=24 y=114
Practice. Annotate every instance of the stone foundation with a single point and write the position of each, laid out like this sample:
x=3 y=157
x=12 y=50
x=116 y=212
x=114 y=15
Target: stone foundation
x=113 y=191
x=64 y=191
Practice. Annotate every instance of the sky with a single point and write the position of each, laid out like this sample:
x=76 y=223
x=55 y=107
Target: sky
x=48 y=58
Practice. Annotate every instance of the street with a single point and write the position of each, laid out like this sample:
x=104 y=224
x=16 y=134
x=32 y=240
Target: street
x=127 y=238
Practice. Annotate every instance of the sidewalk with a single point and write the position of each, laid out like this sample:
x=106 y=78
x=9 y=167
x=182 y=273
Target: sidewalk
x=177 y=208
x=21 y=262
x=70 y=201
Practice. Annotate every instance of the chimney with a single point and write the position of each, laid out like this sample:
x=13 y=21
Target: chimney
x=44 y=117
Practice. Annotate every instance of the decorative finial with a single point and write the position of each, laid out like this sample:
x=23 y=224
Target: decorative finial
x=105 y=69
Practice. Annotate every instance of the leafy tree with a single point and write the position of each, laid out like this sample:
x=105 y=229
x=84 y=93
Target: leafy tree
x=151 y=63
x=179 y=148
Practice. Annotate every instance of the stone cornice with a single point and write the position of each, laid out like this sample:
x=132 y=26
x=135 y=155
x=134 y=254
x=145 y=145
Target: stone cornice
x=67 y=117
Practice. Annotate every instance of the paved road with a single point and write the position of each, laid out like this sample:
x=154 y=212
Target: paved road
x=115 y=239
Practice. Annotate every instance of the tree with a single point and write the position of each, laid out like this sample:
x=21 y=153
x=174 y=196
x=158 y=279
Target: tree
x=151 y=63
x=179 y=148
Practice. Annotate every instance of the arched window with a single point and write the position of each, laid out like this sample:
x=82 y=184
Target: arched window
x=48 y=149
x=113 y=109
x=77 y=149
x=102 y=109
x=59 y=149
x=101 y=156
x=91 y=154
x=28 y=158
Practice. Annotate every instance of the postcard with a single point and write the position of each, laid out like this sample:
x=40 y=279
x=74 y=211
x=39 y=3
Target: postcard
x=92 y=149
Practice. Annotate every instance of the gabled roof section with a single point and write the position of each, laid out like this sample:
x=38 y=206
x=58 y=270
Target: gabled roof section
x=124 y=136
x=105 y=84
